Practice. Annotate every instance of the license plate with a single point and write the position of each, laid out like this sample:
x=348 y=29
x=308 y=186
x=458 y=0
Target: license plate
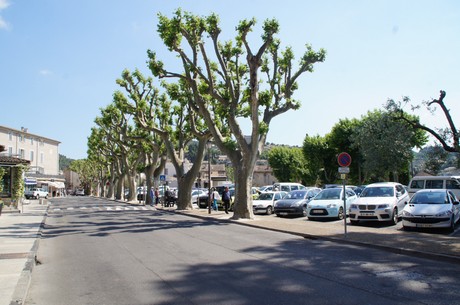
x=424 y=225
x=367 y=214
x=283 y=213
x=317 y=211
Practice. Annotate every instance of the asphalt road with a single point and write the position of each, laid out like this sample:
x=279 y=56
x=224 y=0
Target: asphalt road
x=102 y=252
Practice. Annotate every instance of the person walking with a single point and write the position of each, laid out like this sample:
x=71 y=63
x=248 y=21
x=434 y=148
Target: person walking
x=226 y=198
x=215 y=197
x=157 y=196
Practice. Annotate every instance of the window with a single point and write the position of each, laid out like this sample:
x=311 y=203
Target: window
x=42 y=158
x=452 y=184
x=31 y=155
x=10 y=151
x=10 y=135
x=21 y=138
x=22 y=153
x=434 y=184
x=31 y=140
x=417 y=184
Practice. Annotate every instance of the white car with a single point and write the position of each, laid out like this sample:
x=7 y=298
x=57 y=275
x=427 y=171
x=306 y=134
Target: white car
x=266 y=202
x=382 y=201
x=329 y=203
x=197 y=193
x=432 y=208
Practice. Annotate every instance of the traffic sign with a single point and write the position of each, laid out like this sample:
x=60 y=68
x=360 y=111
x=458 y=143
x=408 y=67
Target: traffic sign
x=162 y=177
x=344 y=170
x=344 y=159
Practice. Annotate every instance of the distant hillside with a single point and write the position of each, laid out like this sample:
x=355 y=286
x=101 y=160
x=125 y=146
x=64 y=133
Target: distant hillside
x=64 y=162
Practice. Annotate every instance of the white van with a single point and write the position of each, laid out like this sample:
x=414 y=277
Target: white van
x=288 y=186
x=435 y=182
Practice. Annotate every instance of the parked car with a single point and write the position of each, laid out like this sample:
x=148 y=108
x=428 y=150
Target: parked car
x=36 y=193
x=383 y=201
x=80 y=192
x=287 y=186
x=203 y=201
x=435 y=182
x=266 y=188
x=197 y=194
x=432 y=209
x=266 y=202
x=329 y=203
x=295 y=202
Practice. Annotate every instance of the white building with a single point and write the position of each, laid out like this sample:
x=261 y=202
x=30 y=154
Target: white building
x=42 y=152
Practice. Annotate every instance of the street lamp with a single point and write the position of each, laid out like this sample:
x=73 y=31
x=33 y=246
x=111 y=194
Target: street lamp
x=208 y=145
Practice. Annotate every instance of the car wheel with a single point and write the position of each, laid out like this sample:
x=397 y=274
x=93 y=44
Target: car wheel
x=340 y=215
x=46 y=197
x=269 y=210
x=452 y=226
x=405 y=228
x=278 y=215
x=311 y=218
x=394 y=217
x=354 y=222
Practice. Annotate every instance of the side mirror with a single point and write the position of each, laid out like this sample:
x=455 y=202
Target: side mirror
x=456 y=202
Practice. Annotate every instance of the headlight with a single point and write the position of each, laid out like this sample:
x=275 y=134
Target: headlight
x=406 y=214
x=383 y=206
x=353 y=206
x=331 y=205
x=445 y=213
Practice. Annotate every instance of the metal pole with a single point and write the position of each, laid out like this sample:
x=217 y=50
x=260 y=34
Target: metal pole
x=344 y=207
x=209 y=178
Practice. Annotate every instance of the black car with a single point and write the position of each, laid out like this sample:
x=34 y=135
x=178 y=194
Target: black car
x=295 y=202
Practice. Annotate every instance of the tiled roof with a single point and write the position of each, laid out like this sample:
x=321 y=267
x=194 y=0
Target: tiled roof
x=12 y=160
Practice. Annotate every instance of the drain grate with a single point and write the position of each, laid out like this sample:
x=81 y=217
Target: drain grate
x=13 y=255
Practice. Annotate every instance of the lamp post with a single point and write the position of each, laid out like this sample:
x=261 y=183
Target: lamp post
x=208 y=144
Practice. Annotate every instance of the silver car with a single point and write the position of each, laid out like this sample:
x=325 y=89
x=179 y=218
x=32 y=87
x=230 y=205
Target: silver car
x=383 y=201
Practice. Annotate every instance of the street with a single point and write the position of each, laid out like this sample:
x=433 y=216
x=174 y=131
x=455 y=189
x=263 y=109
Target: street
x=95 y=251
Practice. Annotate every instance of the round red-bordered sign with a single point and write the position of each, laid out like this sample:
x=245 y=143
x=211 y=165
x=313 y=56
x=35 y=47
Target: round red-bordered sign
x=344 y=159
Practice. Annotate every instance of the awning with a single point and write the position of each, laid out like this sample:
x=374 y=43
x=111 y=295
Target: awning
x=30 y=181
x=55 y=184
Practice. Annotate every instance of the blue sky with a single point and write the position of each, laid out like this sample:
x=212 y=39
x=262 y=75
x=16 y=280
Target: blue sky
x=59 y=59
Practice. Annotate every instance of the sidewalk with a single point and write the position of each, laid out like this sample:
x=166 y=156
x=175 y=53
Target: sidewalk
x=18 y=246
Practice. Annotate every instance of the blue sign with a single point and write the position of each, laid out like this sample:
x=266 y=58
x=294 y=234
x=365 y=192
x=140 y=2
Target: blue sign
x=162 y=177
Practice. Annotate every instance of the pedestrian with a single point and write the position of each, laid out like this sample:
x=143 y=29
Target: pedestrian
x=215 y=197
x=157 y=196
x=226 y=198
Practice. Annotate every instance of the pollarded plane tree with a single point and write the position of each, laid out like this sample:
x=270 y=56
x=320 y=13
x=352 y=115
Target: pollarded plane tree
x=233 y=83
x=124 y=135
x=153 y=153
x=169 y=116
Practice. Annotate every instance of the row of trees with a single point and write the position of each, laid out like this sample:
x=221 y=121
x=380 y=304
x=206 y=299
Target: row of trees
x=219 y=86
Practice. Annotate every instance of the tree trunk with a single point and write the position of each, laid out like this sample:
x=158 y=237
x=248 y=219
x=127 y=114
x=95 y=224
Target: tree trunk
x=242 y=208
x=132 y=188
x=149 y=170
x=184 y=193
x=119 y=189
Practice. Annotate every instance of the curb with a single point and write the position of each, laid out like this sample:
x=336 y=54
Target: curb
x=22 y=287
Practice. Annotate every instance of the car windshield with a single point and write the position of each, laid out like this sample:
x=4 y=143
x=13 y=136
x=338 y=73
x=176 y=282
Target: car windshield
x=296 y=195
x=430 y=198
x=381 y=191
x=266 y=196
x=328 y=194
